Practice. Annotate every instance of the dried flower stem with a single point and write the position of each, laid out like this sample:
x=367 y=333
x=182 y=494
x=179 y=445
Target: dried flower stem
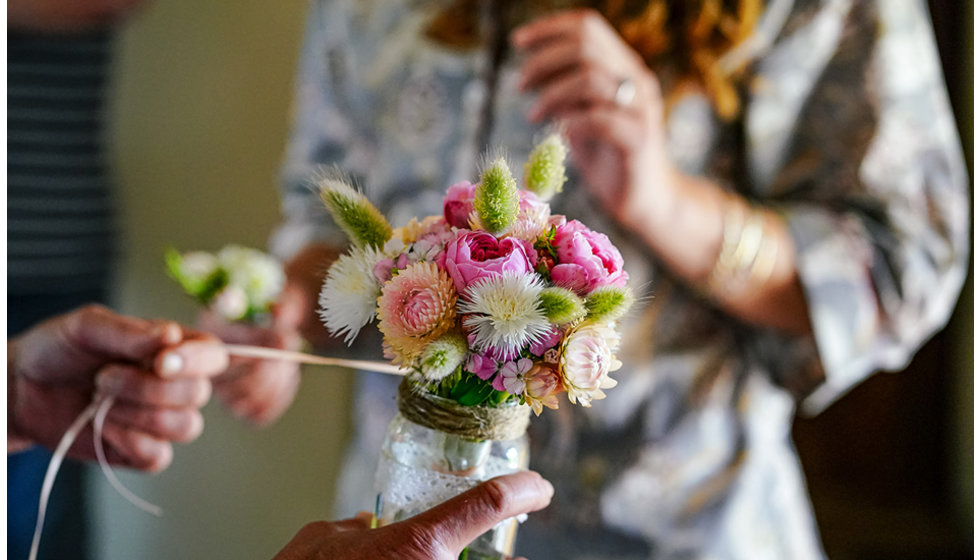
x=244 y=351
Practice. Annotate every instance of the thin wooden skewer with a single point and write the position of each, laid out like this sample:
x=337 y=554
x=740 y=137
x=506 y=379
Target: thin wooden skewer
x=244 y=351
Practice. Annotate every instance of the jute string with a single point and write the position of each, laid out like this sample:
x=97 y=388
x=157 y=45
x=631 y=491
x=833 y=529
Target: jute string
x=469 y=422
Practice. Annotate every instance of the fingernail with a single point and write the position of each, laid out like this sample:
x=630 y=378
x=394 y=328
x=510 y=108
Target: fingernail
x=171 y=364
x=172 y=333
x=548 y=487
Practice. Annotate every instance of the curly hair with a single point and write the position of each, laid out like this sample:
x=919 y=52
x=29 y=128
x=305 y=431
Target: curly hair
x=683 y=39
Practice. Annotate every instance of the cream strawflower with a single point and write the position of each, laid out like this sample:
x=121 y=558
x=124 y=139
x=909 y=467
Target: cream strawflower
x=503 y=313
x=350 y=293
x=416 y=307
x=587 y=357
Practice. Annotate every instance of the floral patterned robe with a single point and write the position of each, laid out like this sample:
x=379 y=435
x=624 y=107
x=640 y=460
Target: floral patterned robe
x=847 y=133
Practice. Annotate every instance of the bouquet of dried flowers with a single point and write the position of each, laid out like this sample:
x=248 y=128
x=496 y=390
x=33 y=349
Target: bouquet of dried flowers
x=497 y=300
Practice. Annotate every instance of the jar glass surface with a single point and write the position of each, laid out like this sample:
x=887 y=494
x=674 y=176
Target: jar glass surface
x=421 y=467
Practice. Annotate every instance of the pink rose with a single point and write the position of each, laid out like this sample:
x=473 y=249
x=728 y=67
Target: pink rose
x=586 y=259
x=473 y=255
x=458 y=204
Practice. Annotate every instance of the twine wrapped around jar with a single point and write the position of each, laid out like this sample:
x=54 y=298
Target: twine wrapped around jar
x=470 y=422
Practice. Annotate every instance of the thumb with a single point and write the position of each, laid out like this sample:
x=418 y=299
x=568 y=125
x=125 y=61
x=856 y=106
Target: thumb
x=101 y=331
x=457 y=522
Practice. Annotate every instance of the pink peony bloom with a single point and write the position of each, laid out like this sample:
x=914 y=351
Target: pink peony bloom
x=586 y=260
x=542 y=385
x=458 y=204
x=474 y=255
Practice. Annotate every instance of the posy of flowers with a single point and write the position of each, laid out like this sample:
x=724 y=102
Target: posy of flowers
x=238 y=283
x=495 y=300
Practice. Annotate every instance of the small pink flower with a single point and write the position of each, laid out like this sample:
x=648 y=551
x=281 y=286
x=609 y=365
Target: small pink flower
x=382 y=270
x=493 y=352
x=542 y=385
x=473 y=255
x=511 y=377
x=433 y=236
x=542 y=345
x=586 y=259
x=551 y=356
x=482 y=366
x=458 y=204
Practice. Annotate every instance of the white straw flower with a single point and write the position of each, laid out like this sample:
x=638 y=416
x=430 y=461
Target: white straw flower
x=350 y=293
x=231 y=303
x=256 y=273
x=587 y=356
x=503 y=312
x=198 y=266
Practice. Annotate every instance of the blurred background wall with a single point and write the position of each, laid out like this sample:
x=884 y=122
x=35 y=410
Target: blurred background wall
x=200 y=118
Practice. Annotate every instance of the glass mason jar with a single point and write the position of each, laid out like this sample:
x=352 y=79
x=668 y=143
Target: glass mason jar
x=425 y=462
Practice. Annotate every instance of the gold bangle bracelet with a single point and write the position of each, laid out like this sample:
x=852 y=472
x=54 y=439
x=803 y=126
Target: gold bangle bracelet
x=748 y=255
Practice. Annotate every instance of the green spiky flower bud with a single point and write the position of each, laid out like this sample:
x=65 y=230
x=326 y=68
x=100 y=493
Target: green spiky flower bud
x=544 y=172
x=353 y=212
x=560 y=305
x=442 y=356
x=496 y=201
x=608 y=303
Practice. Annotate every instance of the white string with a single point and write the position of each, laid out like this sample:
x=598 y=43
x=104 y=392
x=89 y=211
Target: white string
x=97 y=424
x=98 y=409
x=52 y=472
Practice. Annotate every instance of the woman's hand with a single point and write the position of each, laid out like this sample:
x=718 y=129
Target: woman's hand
x=258 y=390
x=610 y=108
x=158 y=372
